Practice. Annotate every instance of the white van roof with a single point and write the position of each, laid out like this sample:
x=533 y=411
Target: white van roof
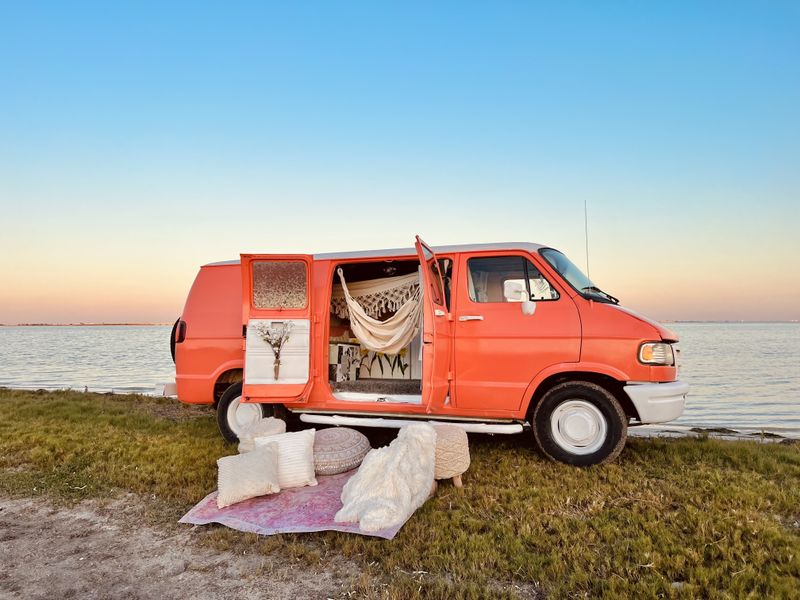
x=437 y=249
x=531 y=247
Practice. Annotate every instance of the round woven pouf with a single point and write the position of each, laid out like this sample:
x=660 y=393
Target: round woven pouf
x=452 y=453
x=338 y=449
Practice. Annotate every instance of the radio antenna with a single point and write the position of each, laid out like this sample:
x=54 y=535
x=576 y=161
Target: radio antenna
x=586 y=235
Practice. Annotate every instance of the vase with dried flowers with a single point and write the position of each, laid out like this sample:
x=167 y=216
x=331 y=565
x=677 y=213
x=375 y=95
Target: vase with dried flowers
x=275 y=334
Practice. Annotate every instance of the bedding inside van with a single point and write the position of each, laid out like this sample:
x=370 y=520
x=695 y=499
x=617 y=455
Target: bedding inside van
x=385 y=299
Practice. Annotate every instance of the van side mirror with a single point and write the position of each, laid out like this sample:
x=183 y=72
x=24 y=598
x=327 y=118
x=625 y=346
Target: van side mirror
x=514 y=291
x=528 y=307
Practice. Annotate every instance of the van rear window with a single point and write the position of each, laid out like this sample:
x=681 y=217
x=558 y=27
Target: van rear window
x=279 y=284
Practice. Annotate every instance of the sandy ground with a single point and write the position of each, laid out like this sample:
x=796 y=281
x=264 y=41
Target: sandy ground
x=102 y=551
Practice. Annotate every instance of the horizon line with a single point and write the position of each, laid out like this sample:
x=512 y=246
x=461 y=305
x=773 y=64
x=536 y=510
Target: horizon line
x=161 y=323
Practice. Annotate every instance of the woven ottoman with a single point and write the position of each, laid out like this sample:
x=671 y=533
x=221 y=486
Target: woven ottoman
x=452 y=453
x=338 y=449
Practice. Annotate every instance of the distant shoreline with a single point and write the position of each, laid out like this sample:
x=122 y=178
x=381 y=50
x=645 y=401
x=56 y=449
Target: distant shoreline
x=729 y=322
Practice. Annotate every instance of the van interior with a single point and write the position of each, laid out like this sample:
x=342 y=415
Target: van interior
x=356 y=373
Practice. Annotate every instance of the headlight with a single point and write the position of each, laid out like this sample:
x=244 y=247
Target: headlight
x=656 y=353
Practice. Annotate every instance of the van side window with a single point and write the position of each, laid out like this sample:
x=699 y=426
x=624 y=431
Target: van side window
x=446 y=268
x=279 y=284
x=506 y=279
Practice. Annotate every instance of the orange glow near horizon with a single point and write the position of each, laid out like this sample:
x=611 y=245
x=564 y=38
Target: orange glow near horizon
x=102 y=290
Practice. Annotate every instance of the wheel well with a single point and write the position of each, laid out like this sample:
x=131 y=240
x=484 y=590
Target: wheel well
x=609 y=383
x=224 y=381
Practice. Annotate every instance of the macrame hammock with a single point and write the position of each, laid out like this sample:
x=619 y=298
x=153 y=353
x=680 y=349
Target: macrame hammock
x=364 y=301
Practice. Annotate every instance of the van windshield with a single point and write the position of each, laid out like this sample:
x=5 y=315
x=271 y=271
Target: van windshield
x=574 y=276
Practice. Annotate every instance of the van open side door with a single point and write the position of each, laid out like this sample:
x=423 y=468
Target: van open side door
x=437 y=339
x=276 y=318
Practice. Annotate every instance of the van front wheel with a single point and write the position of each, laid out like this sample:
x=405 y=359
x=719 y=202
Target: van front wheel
x=580 y=423
x=233 y=415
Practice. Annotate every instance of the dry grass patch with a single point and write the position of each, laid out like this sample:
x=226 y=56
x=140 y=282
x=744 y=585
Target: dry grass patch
x=676 y=518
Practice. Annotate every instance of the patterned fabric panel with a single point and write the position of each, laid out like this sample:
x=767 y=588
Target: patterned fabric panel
x=279 y=284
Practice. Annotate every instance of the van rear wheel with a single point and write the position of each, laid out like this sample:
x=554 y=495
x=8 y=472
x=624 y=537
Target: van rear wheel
x=233 y=415
x=580 y=423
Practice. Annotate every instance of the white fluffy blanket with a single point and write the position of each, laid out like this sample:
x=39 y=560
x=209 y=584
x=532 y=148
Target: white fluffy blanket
x=392 y=482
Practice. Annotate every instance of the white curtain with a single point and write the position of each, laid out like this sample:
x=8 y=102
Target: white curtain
x=396 y=332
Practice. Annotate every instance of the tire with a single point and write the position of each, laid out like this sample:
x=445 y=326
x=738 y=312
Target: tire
x=580 y=423
x=229 y=405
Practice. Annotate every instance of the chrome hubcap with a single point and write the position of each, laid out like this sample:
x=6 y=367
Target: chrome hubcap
x=578 y=427
x=240 y=415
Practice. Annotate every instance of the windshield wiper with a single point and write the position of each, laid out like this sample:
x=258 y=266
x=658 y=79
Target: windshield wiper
x=592 y=288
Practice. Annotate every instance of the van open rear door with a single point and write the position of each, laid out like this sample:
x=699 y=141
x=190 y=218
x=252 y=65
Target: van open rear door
x=437 y=339
x=276 y=311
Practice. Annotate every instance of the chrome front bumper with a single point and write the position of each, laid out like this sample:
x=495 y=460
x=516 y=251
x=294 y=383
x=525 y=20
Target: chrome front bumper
x=658 y=402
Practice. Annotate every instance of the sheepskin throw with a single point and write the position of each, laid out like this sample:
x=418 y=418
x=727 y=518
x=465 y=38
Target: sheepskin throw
x=392 y=482
x=339 y=449
x=261 y=428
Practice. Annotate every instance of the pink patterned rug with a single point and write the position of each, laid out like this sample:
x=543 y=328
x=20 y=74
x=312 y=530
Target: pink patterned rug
x=296 y=510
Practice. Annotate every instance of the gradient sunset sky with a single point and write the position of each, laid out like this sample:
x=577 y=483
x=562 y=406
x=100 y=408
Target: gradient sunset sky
x=141 y=140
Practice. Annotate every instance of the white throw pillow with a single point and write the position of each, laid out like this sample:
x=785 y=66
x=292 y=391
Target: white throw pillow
x=295 y=457
x=261 y=428
x=245 y=476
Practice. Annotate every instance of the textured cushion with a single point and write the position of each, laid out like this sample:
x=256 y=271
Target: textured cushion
x=452 y=451
x=244 y=476
x=261 y=428
x=295 y=457
x=339 y=449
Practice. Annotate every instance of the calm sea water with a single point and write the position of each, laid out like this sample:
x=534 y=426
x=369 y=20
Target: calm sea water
x=120 y=359
x=744 y=376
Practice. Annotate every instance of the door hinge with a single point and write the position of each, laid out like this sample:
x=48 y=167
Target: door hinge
x=244 y=331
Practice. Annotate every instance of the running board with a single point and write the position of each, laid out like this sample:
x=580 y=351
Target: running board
x=470 y=427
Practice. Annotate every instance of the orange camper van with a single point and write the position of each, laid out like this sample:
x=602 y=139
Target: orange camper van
x=495 y=338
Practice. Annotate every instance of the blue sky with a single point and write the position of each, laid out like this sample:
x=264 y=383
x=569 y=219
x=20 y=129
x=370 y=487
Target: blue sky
x=140 y=140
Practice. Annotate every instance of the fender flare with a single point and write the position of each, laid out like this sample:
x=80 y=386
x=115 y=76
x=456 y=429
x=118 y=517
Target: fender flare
x=231 y=365
x=573 y=367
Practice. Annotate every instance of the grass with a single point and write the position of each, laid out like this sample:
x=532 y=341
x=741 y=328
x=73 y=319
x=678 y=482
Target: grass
x=671 y=518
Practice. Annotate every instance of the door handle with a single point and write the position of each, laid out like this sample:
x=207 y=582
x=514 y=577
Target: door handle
x=438 y=312
x=470 y=318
